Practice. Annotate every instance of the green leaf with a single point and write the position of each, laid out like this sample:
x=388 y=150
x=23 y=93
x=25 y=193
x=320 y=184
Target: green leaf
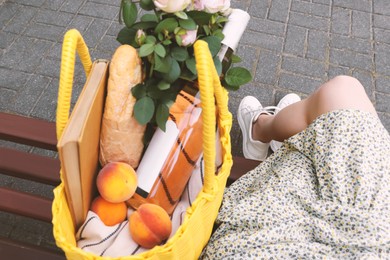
x=181 y=15
x=201 y=18
x=162 y=65
x=129 y=12
x=162 y=116
x=179 y=53
x=160 y=50
x=127 y=36
x=206 y=29
x=218 y=65
x=147 y=5
x=188 y=24
x=237 y=76
x=179 y=40
x=149 y=18
x=191 y=65
x=146 y=49
x=168 y=24
x=139 y=91
x=167 y=42
x=163 y=85
x=227 y=86
x=144 y=25
x=144 y=110
x=150 y=39
x=174 y=72
x=214 y=44
x=235 y=59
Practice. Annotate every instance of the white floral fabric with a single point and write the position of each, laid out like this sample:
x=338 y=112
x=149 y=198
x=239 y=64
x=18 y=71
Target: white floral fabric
x=324 y=194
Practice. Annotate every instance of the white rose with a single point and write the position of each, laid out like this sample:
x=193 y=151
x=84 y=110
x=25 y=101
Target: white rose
x=189 y=38
x=211 y=6
x=171 y=6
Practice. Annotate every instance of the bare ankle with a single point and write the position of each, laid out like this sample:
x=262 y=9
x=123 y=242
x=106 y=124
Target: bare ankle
x=259 y=128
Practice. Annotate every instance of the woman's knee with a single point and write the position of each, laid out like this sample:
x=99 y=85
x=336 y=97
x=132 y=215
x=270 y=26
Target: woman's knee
x=341 y=92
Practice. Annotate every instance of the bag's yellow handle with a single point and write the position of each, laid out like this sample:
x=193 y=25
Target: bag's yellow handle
x=210 y=87
x=73 y=41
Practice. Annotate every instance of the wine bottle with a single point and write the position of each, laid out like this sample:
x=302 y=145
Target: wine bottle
x=233 y=30
x=171 y=156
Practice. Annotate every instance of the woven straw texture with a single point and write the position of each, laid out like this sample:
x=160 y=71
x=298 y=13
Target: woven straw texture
x=196 y=229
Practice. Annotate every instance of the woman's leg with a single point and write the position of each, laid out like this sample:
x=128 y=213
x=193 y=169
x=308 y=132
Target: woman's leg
x=342 y=92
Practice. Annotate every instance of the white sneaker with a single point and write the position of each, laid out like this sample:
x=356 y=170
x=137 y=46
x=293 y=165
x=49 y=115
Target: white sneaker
x=284 y=102
x=248 y=112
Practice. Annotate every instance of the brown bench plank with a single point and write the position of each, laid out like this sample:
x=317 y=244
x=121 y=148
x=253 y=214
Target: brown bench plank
x=241 y=166
x=29 y=131
x=25 y=204
x=29 y=166
x=10 y=249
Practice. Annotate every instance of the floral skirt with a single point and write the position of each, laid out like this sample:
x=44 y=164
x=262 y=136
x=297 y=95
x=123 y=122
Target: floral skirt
x=324 y=194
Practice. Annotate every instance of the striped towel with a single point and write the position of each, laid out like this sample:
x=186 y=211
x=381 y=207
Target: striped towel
x=115 y=241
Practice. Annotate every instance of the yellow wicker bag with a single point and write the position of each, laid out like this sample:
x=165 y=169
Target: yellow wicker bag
x=194 y=233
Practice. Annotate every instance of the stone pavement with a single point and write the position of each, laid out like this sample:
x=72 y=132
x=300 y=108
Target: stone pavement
x=289 y=46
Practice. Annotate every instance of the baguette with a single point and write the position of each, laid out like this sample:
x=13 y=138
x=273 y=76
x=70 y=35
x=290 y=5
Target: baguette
x=121 y=137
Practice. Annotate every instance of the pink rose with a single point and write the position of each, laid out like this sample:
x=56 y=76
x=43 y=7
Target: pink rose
x=189 y=38
x=211 y=6
x=171 y=6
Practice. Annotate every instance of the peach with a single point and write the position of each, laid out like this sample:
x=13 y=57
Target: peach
x=109 y=213
x=116 y=182
x=150 y=225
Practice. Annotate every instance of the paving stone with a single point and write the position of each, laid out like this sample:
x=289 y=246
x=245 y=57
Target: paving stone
x=340 y=22
x=51 y=17
x=295 y=40
x=381 y=21
x=108 y=44
x=7 y=11
x=37 y=3
x=29 y=94
x=382 y=57
x=361 y=5
x=279 y=10
x=311 y=8
x=303 y=66
x=99 y=10
x=266 y=41
x=267 y=26
x=53 y=4
x=381 y=7
x=72 y=6
x=351 y=43
x=95 y=32
x=382 y=102
x=385 y=119
x=267 y=67
x=249 y=56
x=12 y=79
x=381 y=35
x=382 y=84
x=21 y=20
x=351 y=59
x=308 y=21
x=259 y=9
x=366 y=79
x=361 y=25
x=334 y=71
x=298 y=83
x=6 y=39
x=317 y=43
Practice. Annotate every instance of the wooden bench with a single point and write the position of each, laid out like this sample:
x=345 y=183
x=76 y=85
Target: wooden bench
x=42 y=169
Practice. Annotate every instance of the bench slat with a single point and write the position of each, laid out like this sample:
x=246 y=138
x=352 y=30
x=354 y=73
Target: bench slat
x=29 y=131
x=11 y=249
x=240 y=167
x=25 y=204
x=29 y=166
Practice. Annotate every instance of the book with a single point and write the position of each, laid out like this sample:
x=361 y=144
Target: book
x=78 y=146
